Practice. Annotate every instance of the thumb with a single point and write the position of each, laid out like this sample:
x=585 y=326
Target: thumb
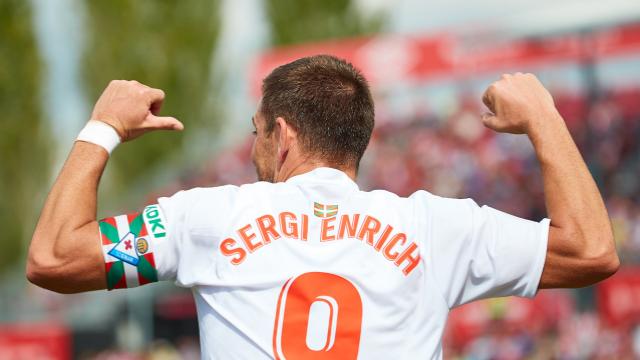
x=164 y=123
x=490 y=120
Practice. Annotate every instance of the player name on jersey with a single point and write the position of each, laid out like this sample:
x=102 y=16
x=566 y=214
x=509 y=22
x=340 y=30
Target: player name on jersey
x=393 y=245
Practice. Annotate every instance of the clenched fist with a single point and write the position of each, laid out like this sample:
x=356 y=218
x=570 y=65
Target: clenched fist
x=518 y=103
x=131 y=108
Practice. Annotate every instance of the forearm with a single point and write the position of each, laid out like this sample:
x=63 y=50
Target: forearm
x=66 y=254
x=574 y=204
x=572 y=198
x=72 y=200
x=580 y=247
x=66 y=236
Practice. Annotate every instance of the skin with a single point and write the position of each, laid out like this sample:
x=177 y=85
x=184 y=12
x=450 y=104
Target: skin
x=277 y=155
x=65 y=254
x=581 y=249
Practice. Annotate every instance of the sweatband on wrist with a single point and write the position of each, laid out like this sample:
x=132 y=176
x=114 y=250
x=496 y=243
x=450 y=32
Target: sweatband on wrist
x=101 y=134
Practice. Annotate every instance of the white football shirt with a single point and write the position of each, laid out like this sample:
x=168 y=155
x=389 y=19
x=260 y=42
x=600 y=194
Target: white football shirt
x=314 y=268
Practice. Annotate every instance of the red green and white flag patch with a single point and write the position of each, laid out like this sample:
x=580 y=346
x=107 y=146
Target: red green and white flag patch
x=128 y=243
x=324 y=211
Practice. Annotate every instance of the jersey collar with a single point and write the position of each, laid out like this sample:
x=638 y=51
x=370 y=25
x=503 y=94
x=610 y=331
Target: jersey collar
x=324 y=175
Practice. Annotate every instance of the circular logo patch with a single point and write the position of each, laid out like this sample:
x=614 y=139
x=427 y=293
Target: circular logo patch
x=142 y=245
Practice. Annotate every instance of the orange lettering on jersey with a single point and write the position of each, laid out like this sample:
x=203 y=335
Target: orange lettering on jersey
x=289 y=225
x=267 y=228
x=305 y=227
x=326 y=226
x=370 y=227
x=247 y=237
x=228 y=247
x=383 y=238
x=347 y=226
x=289 y=228
x=399 y=237
x=406 y=255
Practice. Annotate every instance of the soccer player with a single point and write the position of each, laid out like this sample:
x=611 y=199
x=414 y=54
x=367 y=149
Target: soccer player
x=303 y=264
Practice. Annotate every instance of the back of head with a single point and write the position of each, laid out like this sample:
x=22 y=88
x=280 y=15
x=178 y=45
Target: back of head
x=327 y=101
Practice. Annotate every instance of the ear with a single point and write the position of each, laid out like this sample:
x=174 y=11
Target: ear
x=286 y=137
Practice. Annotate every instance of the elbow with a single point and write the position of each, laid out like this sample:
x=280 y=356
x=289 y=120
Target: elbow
x=33 y=272
x=603 y=262
x=46 y=277
x=579 y=258
x=609 y=264
x=46 y=272
x=38 y=271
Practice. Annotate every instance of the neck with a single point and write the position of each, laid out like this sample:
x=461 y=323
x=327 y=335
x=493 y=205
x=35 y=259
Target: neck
x=305 y=165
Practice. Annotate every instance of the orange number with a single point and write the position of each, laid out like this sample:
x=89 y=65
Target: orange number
x=319 y=316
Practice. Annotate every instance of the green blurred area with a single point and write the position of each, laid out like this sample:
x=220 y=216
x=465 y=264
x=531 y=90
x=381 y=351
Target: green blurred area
x=298 y=21
x=25 y=156
x=164 y=44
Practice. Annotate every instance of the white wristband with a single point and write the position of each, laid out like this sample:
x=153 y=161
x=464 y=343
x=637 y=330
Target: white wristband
x=100 y=133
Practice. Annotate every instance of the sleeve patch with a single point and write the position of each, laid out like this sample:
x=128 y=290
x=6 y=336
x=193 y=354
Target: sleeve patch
x=128 y=243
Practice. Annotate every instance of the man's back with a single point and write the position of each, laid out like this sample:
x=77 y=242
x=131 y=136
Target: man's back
x=315 y=267
x=308 y=266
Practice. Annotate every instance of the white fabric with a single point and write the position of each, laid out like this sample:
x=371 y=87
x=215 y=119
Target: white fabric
x=101 y=134
x=466 y=253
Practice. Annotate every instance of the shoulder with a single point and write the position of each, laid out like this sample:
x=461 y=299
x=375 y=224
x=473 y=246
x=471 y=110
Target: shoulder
x=443 y=212
x=429 y=200
x=192 y=197
x=381 y=195
x=219 y=197
x=421 y=199
x=198 y=192
x=261 y=186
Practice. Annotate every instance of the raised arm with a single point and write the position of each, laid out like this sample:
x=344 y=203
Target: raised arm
x=65 y=254
x=581 y=250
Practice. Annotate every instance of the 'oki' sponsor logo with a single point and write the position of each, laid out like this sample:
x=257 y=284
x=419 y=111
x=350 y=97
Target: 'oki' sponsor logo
x=154 y=220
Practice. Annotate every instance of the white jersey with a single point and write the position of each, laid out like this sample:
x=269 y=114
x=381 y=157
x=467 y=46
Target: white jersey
x=314 y=268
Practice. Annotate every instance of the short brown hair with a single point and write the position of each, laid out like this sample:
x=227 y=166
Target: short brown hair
x=327 y=101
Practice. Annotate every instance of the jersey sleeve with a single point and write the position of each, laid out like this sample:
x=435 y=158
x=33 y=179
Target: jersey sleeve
x=174 y=239
x=140 y=247
x=480 y=252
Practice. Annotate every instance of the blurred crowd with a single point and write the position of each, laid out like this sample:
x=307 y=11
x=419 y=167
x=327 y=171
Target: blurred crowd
x=186 y=349
x=455 y=156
